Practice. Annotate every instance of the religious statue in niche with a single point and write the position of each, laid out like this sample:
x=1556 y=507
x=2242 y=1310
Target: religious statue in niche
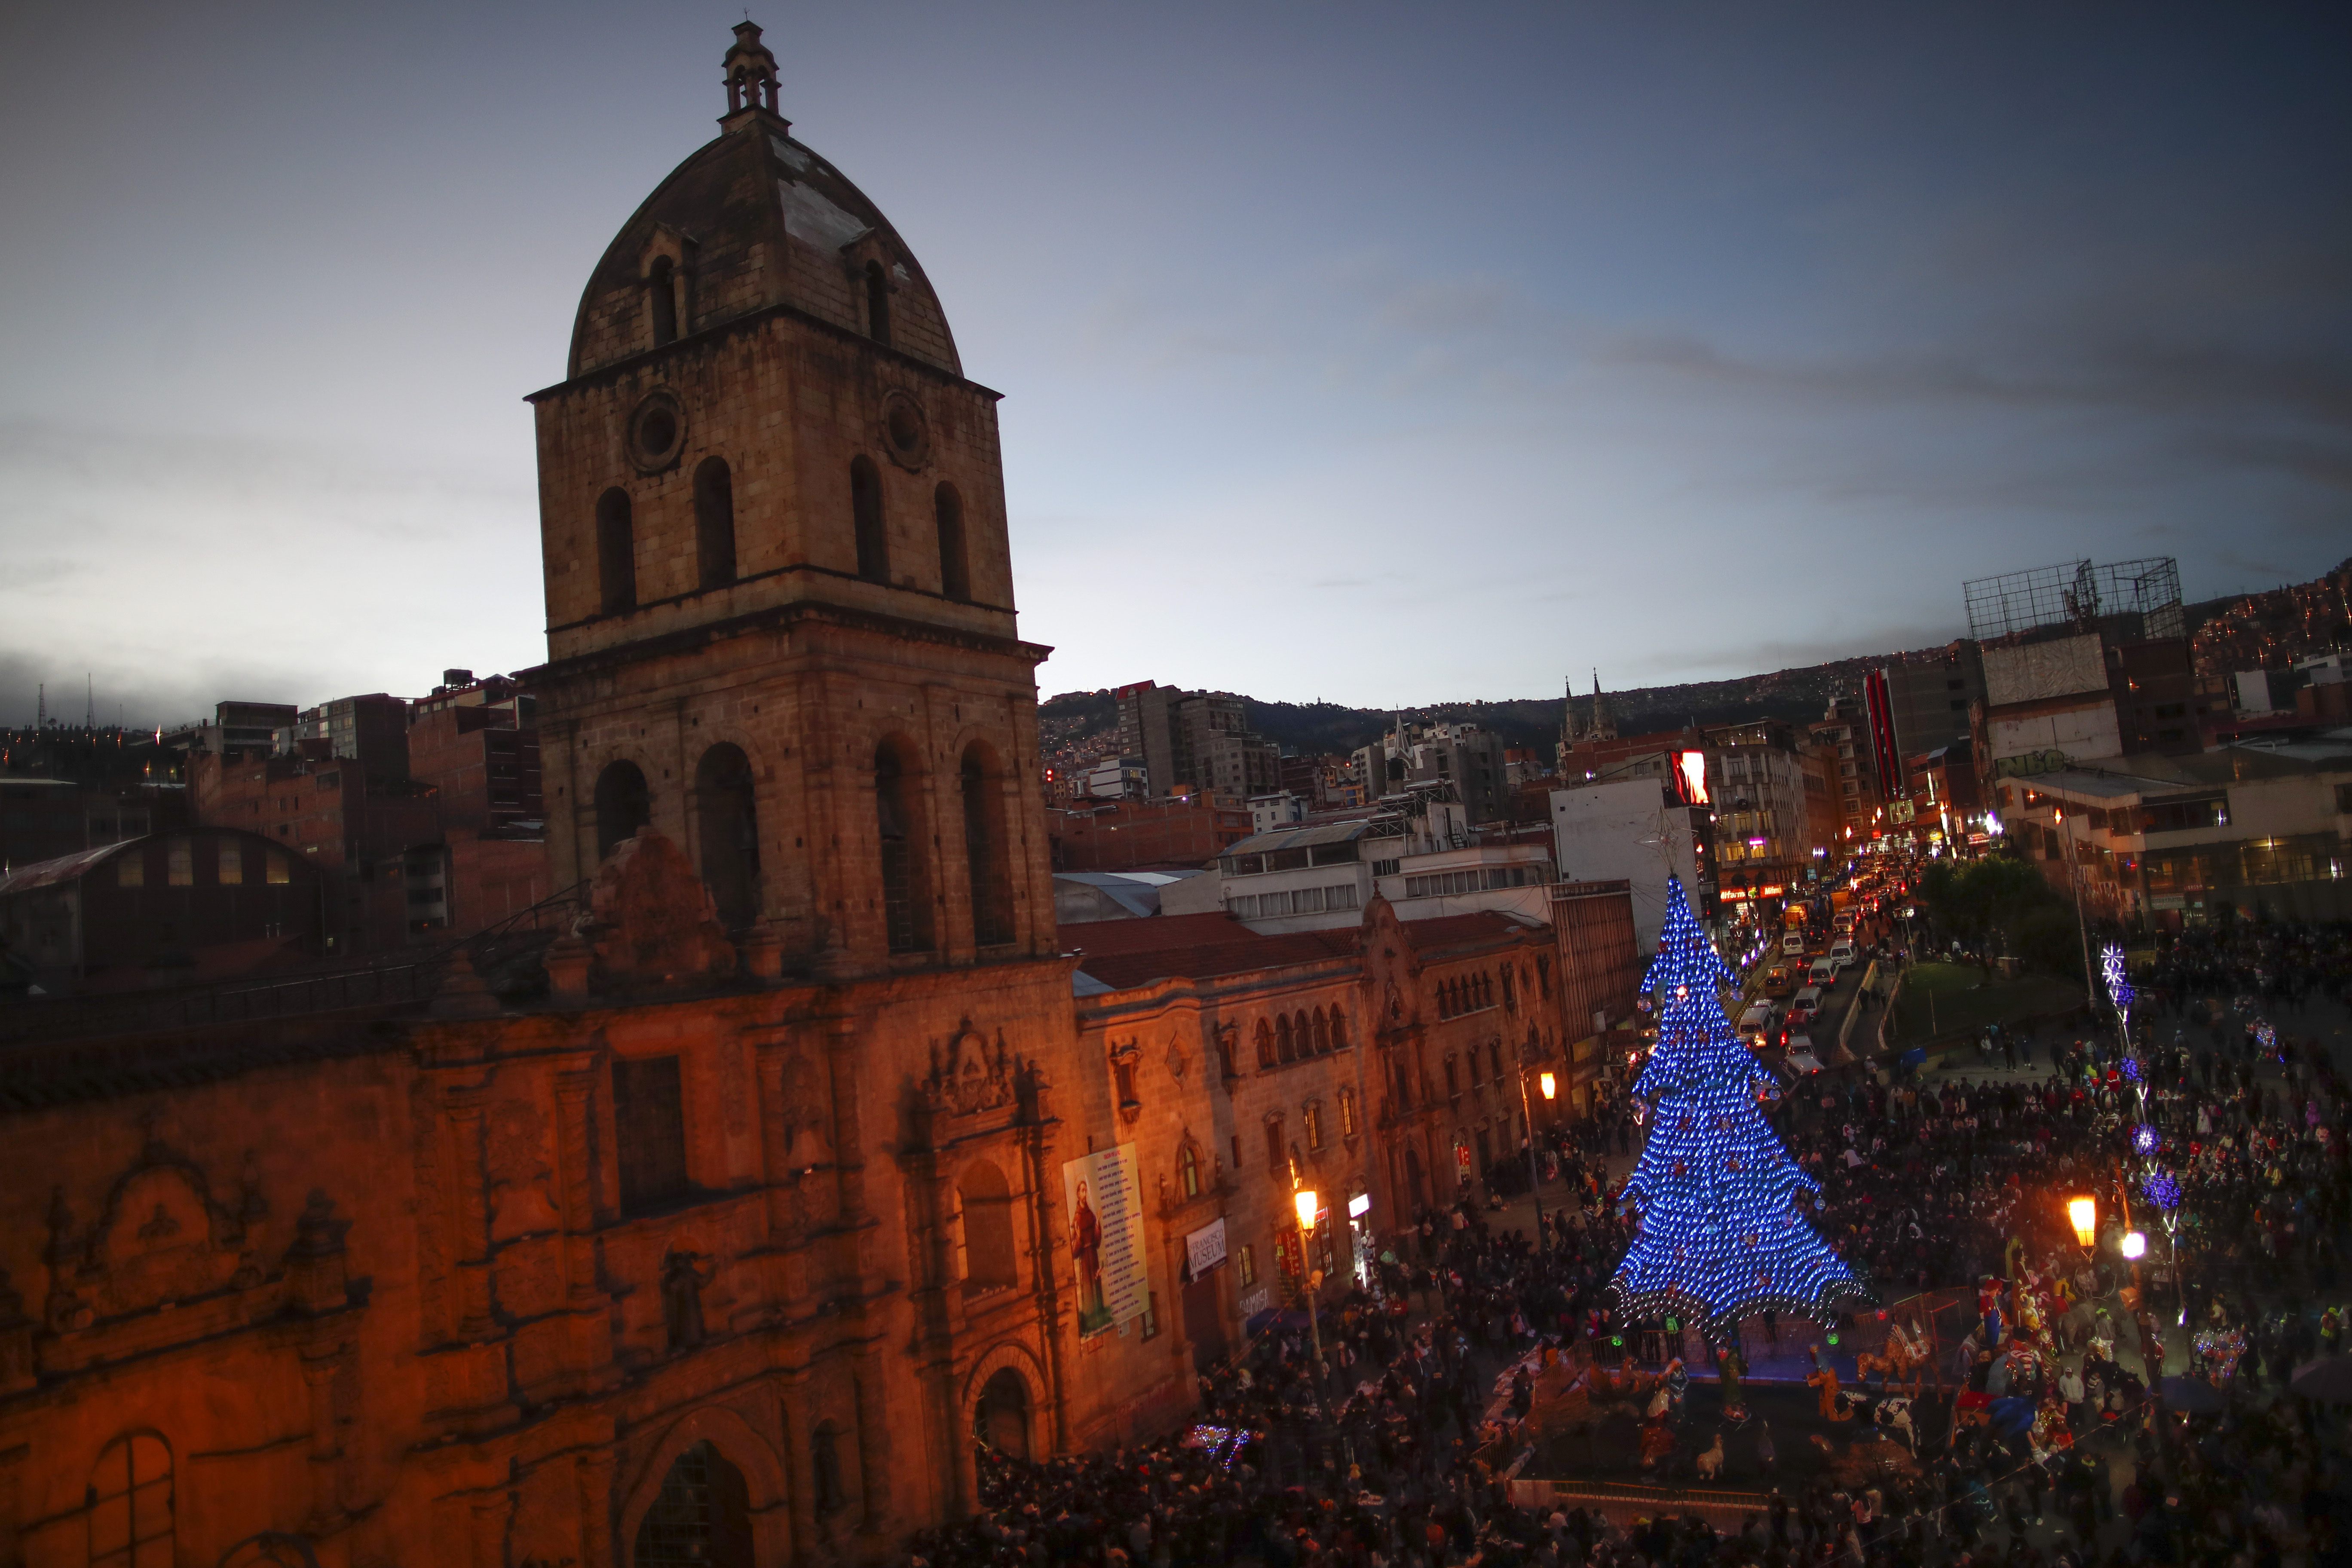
x=683 y=1278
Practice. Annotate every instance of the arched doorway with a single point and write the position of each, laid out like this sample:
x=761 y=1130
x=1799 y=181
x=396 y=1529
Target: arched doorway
x=1001 y=1420
x=702 y=1518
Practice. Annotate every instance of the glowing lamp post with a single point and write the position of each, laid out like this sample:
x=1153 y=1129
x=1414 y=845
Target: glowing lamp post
x=1307 y=1208
x=1549 y=1085
x=2082 y=1214
x=2135 y=1246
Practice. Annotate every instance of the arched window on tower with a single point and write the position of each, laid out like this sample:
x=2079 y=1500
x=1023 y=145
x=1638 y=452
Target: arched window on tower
x=1265 y=1045
x=866 y=512
x=878 y=303
x=955 y=566
x=906 y=889
x=616 y=552
x=727 y=834
x=661 y=298
x=1339 y=1029
x=131 y=1504
x=624 y=804
x=1283 y=1050
x=1322 y=1027
x=714 y=523
x=989 y=1258
x=984 y=849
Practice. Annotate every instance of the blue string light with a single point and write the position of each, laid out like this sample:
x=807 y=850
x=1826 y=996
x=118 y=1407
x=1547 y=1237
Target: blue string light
x=1716 y=1192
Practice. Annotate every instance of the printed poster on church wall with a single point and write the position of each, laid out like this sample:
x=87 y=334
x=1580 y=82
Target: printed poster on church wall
x=1105 y=1200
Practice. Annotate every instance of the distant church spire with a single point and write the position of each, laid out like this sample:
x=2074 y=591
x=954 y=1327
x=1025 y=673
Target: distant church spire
x=1603 y=727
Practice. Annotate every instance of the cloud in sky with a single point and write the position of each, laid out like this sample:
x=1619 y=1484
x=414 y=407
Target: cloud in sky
x=1391 y=358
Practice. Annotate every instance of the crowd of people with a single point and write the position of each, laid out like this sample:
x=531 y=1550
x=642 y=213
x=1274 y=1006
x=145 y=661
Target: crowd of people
x=2051 y=1435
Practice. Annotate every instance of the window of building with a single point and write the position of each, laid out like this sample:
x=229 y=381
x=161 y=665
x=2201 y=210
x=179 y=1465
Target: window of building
x=1283 y=1050
x=649 y=1131
x=1265 y=1057
x=661 y=297
x=1347 y=1113
x=624 y=804
x=986 y=862
x=1246 y=1265
x=878 y=303
x=616 y=552
x=228 y=870
x=990 y=1262
x=727 y=833
x=955 y=565
x=1452 y=1078
x=1313 y=1119
x=701 y=1516
x=180 y=864
x=1188 y=1170
x=866 y=515
x=1339 y=1029
x=277 y=870
x=1277 y=1156
x=131 y=870
x=130 y=1503
x=905 y=884
x=714 y=523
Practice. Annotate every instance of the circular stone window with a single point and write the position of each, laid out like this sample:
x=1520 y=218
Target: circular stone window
x=656 y=433
x=905 y=431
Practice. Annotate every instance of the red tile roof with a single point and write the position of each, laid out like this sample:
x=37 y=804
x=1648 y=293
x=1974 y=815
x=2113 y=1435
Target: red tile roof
x=1478 y=929
x=1126 y=953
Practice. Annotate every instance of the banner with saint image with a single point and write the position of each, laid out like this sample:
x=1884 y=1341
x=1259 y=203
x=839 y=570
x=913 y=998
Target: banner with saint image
x=1105 y=1200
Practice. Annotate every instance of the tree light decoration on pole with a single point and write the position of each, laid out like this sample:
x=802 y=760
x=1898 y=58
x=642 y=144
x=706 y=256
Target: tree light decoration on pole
x=2162 y=1188
x=1715 y=1191
x=2146 y=1140
x=2119 y=986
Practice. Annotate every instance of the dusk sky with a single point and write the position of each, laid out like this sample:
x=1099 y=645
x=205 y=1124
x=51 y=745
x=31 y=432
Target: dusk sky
x=1378 y=354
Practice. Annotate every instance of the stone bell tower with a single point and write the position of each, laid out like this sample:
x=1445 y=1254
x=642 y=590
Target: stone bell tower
x=779 y=612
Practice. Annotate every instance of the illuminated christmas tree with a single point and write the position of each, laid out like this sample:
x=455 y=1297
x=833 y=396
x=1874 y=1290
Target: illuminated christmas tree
x=1716 y=1192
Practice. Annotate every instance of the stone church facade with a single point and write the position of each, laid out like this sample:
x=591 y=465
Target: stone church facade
x=721 y=1233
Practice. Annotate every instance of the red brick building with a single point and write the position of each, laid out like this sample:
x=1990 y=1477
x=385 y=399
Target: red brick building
x=1120 y=835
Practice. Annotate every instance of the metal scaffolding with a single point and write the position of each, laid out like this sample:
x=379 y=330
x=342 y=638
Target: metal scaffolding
x=2077 y=593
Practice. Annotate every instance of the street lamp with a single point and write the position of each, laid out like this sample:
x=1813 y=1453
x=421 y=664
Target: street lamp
x=1534 y=1177
x=2135 y=1246
x=1307 y=1208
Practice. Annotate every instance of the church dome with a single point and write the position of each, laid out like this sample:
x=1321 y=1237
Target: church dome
x=751 y=223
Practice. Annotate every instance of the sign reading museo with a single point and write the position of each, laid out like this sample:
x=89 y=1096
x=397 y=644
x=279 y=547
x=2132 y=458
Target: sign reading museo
x=1105 y=1209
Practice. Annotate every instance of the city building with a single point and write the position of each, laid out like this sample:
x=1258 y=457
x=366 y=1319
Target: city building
x=234 y=727
x=1638 y=831
x=1761 y=794
x=2257 y=829
x=1467 y=757
x=166 y=908
x=1194 y=741
x=1120 y=834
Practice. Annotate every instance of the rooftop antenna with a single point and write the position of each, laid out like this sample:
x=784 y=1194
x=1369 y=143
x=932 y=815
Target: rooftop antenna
x=90 y=703
x=41 y=707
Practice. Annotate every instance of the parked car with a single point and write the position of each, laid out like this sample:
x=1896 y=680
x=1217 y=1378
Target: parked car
x=1806 y=1007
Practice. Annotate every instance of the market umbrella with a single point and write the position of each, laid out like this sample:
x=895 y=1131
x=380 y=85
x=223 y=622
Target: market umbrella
x=2192 y=1396
x=2329 y=1378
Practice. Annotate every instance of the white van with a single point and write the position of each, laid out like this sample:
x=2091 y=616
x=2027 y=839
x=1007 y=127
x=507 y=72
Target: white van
x=1805 y=1007
x=1842 y=952
x=1793 y=943
x=1756 y=1021
x=1823 y=973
